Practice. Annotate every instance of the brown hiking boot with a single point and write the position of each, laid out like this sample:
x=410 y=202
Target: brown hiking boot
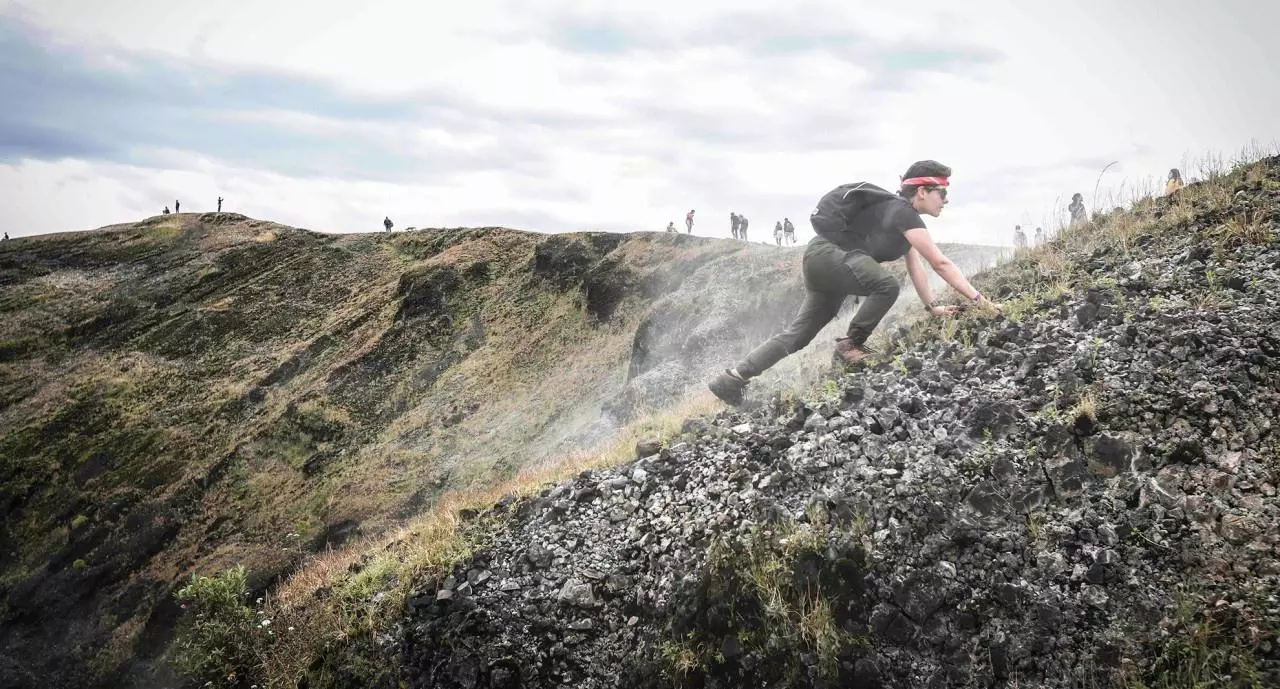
x=849 y=352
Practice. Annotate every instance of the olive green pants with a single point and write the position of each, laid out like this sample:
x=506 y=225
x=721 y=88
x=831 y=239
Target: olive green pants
x=830 y=276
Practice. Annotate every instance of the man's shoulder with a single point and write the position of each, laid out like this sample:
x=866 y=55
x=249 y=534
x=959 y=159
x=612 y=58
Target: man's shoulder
x=898 y=214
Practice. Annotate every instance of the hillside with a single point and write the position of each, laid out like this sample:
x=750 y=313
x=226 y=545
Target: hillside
x=199 y=391
x=1081 y=492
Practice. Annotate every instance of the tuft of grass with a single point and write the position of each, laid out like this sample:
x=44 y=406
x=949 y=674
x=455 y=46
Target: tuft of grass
x=1217 y=643
x=784 y=592
x=1237 y=230
x=1085 y=407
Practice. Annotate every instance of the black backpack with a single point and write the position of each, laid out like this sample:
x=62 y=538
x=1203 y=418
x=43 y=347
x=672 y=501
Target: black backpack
x=833 y=218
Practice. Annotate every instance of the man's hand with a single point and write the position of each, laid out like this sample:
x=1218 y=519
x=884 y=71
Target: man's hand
x=942 y=310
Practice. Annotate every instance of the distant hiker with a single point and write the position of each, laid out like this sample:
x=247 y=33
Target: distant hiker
x=858 y=226
x=386 y=222
x=671 y=226
x=1039 y=236
x=789 y=231
x=166 y=210
x=688 y=222
x=1174 y=183
x=6 y=236
x=1077 y=209
x=219 y=204
x=1019 y=237
x=742 y=227
x=733 y=224
x=176 y=206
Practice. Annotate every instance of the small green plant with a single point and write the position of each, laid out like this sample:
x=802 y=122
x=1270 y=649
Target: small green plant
x=1035 y=527
x=216 y=643
x=78 y=565
x=899 y=365
x=78 y=521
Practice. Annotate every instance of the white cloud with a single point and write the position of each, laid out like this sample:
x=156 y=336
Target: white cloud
x=719 y=106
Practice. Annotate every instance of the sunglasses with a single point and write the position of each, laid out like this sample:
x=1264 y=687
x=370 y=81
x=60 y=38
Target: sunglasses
x=942 y=191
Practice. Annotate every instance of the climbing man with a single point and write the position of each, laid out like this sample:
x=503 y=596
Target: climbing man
x=742 y=227
x=858 y=226
x=671 y=226
x=1019 y=237
x=1039 y=236
x=777 y=232
x=386 y=222
x=219 y=204
x=1174 y=183
x=789 y=230
x=6 y=236
x=166 y=210
x=733 y=224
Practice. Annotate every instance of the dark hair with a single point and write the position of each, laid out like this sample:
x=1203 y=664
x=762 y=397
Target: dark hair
x=922 y=168
x=1174 y=174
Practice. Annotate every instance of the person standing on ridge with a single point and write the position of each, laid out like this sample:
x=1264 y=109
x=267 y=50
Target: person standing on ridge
x=858 y=226
x=789 y=230
x=1077 y=209
x=1019 y=237
x=219 y=204
x=733 y=224
x=1174 y=183
x=176 y=206
x=742 y=227
x=688 y=222
x=386 y=222
x=777 y=232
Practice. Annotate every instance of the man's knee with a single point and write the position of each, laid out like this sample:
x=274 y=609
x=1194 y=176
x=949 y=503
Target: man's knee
x=800 y=340
x=886 y=286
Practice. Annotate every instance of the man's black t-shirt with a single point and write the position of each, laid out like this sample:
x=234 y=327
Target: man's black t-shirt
x=882 y=226
x=864 y=217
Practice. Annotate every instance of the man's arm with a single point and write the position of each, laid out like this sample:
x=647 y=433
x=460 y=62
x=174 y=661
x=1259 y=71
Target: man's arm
x=923 y=243
x=915 y=268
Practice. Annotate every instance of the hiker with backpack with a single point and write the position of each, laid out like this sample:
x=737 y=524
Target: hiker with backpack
x=788 y=231
x=386 y=222
x=742 y=227
x=859 y=226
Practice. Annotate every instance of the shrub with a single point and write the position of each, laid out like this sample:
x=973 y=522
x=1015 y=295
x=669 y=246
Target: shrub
x=216 y=642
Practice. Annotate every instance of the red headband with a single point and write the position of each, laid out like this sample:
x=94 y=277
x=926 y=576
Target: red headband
x=925 y=182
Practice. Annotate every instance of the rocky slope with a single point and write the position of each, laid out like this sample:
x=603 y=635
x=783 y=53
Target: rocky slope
x=1082 y=493
x=196 y=391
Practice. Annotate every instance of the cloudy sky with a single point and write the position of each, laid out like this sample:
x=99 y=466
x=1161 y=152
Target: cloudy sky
x=559 y=115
